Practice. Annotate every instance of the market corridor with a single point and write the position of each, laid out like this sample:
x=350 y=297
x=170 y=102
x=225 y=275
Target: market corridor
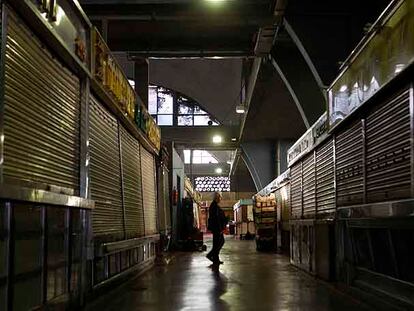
x=248 y=280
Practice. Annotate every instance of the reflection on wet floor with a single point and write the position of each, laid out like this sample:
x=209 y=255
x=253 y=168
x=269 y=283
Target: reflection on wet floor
x=247 y=280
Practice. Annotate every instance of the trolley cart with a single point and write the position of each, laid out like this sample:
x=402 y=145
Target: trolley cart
x=265 y=215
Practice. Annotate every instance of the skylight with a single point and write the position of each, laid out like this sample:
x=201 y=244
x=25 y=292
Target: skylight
x=199 y=157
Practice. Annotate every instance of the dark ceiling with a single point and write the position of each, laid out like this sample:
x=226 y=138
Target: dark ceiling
x=214 y=83
x=273 y=113
x=289 y=93
x=329 y=30
x=194 y=27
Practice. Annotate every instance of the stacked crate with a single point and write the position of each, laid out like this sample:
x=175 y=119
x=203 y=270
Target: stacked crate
x=266 y=221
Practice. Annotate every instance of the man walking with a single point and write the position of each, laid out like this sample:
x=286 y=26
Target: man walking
x=216 y=224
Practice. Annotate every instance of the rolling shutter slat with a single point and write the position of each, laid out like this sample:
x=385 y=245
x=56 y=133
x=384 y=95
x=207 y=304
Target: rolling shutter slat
x=349 y=166
x=41 y=116
x=388 y=150
x=166 y=200
x=325 y=175
x=105 y=176
x=149 y=191
x=309 y=185
x=296 y=190
x=131 y=173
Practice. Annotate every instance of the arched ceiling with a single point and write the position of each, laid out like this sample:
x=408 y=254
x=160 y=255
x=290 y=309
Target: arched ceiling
x=273 y=113
x=326 y=30
x=329 y=30
x=298 y=63
x=214 y=83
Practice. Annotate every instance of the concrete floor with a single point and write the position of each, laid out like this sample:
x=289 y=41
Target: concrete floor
x=247 y=280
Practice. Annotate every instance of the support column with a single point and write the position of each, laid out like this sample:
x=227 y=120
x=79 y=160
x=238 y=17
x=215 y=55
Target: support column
x=278 y=156
x=141 y=79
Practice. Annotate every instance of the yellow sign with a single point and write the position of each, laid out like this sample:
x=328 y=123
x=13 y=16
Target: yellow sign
x=49 y=7
x=108 y=72
x=154 y=133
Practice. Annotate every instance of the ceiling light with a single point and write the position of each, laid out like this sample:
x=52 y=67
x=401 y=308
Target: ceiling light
x=219 y=170
x=240 y=109
x=399 y=68
x=217 y=139
x=234 y=139
x=131 y=82
x=343 y=88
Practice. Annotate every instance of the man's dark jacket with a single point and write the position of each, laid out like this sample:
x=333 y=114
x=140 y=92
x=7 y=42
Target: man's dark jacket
x=217 y=221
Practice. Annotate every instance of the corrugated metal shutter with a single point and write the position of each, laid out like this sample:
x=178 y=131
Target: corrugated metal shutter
x=149 y=191
x=105 y=175
x=325 y=177
x=41 y=121
x=288 y=197
x=388 y=150
x=349 y=166
x=131 y=177
x=162 y=198
x=309 y=185
x=167 y=200
x=282 y=196
x=296 y=190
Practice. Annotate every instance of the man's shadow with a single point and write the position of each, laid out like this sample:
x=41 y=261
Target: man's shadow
x=219 y=289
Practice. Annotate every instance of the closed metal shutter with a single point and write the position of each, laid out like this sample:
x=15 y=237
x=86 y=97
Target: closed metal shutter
x=309 y=185
x=41 y=116
x=149 y=191
x=167 y=200
x=162 y=199
x=105 y=175
x=296 y=190
x=349 y=166
x=325 y=178
x=282 y=195
x=388 y=150
x=288 y=197
x=131 y=177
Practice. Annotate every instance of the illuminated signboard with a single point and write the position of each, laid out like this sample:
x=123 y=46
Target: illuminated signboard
x=147 y=123
x=110 y=75
x=302 y=146
x=317 y=133
x=66 y=23
x=320 y=128
x=382 y=55
x=154 y=133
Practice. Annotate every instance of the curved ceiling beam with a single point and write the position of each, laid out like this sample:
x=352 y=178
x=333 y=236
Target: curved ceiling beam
x=305 y=55
x=252 y=170
x=292 y=92
x=259 y=159
x=295 y=67
x=251 y=84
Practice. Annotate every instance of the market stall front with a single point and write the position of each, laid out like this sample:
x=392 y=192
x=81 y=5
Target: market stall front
x=78 y=194
x=244 y=219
